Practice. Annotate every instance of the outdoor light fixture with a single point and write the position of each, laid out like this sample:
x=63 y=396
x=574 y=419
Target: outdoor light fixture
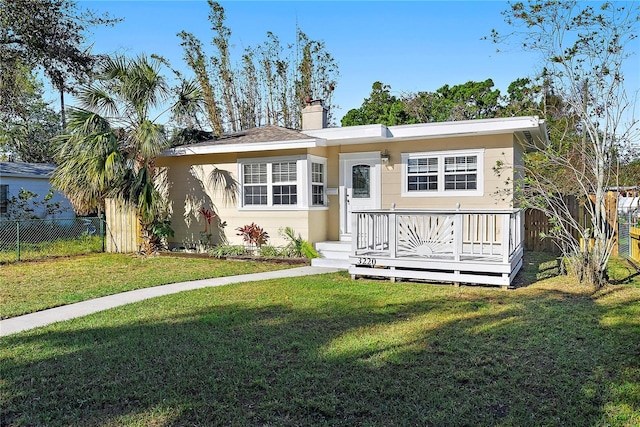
x=385 y=157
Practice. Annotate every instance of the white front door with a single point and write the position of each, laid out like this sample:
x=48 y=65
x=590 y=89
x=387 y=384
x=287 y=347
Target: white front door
x=359 y=186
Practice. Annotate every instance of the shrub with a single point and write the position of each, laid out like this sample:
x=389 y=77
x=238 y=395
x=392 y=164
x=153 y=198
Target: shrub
x=253 y=234
x=269 y=251
x=297 y=246
x=221 y=251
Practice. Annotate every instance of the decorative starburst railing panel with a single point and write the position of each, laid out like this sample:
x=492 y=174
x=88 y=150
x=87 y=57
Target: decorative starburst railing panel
x=438 y=234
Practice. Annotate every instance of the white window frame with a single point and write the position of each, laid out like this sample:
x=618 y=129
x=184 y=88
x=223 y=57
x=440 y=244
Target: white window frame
x=304 y=182
x=255 y=184
x=441 y=192
x=283 y=183
x=322 y=161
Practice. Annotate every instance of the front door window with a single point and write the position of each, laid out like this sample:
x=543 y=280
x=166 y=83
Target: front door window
x=361 y=181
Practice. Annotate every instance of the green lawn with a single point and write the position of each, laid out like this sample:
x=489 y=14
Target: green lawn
x=32 y=286
x=328 y=350
x=51 y=248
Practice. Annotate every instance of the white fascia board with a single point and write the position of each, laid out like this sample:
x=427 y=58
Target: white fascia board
x=186 y=150
x=381 y=133
x=369 y=132
x=26 y=176
x=467 y=127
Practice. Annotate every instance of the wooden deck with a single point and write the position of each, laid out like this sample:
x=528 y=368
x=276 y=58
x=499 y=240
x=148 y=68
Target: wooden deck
x=478 y=247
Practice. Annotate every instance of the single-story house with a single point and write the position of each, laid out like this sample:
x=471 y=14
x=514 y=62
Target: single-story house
x=419 y=201
x=32 y=177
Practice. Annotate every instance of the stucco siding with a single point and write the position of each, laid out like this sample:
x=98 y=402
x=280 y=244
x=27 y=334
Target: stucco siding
x=189 y=192
x=496 y=147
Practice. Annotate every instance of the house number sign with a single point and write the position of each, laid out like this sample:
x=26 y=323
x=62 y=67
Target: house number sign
x=367 y=261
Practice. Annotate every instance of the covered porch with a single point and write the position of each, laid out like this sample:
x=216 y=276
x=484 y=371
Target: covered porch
x=458 y=246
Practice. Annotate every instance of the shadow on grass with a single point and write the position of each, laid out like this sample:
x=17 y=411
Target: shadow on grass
x=356 y=353
x=623 y=271
x=536 y=266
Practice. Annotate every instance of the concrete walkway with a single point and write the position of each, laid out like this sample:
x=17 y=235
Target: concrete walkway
x=71 y=311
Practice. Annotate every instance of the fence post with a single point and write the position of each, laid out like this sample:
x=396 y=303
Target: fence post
x=103 y=230
x=18 y=239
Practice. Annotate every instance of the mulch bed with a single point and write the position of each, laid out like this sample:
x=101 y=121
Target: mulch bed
x=290 y=261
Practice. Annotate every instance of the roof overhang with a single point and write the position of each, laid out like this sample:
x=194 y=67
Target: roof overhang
x=25 y=175
x=528 y=131
x=243 y=147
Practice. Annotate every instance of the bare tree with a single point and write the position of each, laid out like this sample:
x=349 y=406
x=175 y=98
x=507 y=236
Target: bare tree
x=222 y=63
x=270 y=83
x=584 y=50
x=195 y=59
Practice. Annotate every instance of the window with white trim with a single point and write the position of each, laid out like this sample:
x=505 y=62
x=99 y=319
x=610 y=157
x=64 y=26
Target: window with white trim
x=254 y=179
x=447 y=173
x=285 y=189
x=461 y=173
x=422 y=174
x=317 y=184
x=283 y=182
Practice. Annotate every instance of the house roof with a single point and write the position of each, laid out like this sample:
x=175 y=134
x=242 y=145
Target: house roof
x=26 y=170
x=268 y=133
x=257 y=139
x=530 y=129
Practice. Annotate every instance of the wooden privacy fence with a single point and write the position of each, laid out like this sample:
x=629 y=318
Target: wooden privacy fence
x=537 y=224
x=123 y=231
x=634 y=242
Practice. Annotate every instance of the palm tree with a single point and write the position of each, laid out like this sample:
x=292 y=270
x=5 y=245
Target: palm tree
x=112 y=142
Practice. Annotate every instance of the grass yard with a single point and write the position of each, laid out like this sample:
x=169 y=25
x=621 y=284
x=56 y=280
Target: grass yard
x=52 y=248
x=327 y=350
x=33 y=286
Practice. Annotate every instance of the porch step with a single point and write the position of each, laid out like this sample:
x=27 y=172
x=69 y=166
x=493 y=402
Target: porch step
x=342 y=264
x=333 y=254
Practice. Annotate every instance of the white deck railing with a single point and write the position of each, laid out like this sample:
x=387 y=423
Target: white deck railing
x=456 y=235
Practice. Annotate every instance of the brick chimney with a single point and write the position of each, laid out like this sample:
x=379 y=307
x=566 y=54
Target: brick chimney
x=314 y=115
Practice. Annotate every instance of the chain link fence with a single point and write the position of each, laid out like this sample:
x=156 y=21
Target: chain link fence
x=625 y=222
x=40 y=238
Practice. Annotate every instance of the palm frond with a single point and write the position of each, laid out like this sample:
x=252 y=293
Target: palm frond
x=150 y=139
x=98 y=99
x=224 y=182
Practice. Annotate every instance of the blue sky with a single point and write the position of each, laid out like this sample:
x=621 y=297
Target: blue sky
x=414 y=45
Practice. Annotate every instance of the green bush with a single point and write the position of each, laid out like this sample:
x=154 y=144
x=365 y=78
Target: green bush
x=297 y=246
x=269 y=251
x=221 y=251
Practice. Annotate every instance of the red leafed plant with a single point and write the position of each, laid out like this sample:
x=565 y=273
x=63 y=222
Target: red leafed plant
x=253 y=234
x=208 y=215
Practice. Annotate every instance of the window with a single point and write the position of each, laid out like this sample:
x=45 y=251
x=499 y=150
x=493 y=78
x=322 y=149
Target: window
x=254 y=178
x=442 y=173
x=422 y=174
x=460 y=173
x=284 y=175
x=361 y=181
x=317 y=184
x=4 y=198
x=283 y=182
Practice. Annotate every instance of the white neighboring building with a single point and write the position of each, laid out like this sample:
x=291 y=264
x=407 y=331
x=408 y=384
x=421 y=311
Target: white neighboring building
x=629 y=204
x=33 y=177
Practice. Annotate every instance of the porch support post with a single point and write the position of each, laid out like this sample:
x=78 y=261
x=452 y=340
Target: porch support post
x=506 y=234
x=354 y=232
x=457 y=236
x=520 y=235
x=393 y=235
